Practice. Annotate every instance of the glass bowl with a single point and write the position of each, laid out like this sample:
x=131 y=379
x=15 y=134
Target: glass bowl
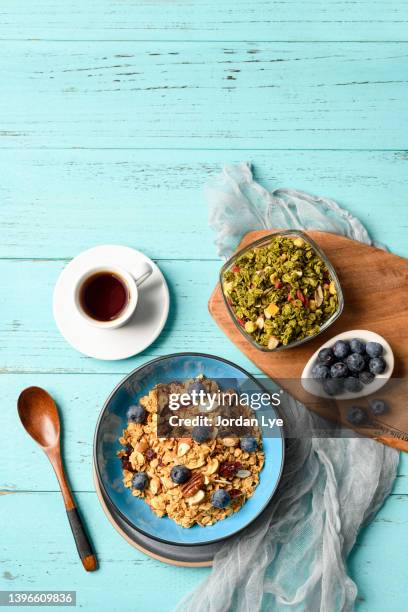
x=263 y=242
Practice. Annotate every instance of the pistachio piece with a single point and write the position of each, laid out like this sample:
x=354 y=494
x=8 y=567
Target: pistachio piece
x=228 y=287
x=312 y=305
x=250 y=327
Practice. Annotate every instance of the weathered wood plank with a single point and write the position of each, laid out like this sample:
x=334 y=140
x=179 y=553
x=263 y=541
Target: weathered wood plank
x=57 y=203
x=207 y=95
x=30 y=341
x=47 y=558
x=205 y=20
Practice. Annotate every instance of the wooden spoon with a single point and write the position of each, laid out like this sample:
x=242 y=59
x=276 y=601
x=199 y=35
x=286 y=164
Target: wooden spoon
x=39 y=415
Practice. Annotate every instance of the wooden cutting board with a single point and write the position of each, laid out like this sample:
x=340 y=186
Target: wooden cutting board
x=375 y=287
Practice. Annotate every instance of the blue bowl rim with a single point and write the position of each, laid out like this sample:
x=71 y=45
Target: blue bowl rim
x=96 y=434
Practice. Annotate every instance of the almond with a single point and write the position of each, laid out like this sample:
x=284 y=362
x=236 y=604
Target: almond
x=272 y=343
x=197 y=498
x=243 y=473
x=212 y=466
x=182 y=449
x=194 y=463
x=155 y=485
x=318 y=296
x=260 y=322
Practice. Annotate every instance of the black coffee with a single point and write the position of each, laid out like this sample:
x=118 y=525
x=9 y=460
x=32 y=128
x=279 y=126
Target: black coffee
x=104 y=296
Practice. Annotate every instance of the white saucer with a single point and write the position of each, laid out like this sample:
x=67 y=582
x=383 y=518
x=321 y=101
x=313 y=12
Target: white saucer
x=111 y=344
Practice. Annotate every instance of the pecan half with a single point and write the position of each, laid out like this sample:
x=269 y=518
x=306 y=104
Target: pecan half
x=193 y=485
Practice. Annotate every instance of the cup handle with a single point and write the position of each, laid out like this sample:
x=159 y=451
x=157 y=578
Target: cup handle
x=142 y=274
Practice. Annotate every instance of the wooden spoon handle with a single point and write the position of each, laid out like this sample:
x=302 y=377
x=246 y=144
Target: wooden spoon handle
x=82 y=542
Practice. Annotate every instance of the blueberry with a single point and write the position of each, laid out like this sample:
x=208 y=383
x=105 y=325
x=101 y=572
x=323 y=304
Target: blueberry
x=196 y=386
x=378 y=407
x=139 y=481
x=201 y=433
x=341 y=349
x=180 y=474
x=325 y=356
x=352 y=384
x=355 y=362
x=320 y=371
x=374 y=349
x=357 y=346
x=221 y=498
x=339 y=370
x=377 y=365
x=249 y=444
x=136 y=414
x=366 y=377
x=356 y=415
x=333 y=386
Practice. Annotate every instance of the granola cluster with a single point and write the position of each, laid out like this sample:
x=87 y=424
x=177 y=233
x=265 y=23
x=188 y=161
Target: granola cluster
x=218 y=463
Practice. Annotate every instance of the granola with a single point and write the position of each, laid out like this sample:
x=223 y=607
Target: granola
x=280 y=291
x=190 y=482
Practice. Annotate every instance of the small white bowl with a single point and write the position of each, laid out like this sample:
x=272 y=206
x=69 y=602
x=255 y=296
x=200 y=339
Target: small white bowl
x=314 y=386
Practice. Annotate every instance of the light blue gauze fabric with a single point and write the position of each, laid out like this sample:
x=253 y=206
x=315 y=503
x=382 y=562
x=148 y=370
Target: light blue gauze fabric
x=331 y=487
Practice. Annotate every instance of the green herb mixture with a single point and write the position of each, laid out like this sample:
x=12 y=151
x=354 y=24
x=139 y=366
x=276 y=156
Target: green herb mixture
x=280 y=292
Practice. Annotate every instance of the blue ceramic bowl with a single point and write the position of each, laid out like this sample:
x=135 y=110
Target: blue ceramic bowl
x=112 y=421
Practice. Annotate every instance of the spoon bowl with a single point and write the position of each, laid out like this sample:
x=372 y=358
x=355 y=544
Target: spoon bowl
x=39 y=416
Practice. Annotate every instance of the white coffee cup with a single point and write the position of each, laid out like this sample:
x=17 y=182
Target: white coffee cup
x=130 y=280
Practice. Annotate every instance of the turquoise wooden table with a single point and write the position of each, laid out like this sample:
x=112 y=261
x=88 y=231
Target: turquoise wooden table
x=113 y=116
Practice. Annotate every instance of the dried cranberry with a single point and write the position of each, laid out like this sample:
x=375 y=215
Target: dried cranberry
x=278 y=284
x=235 y=268
x=234 y=493
x=150 y=454
x=228 y=469
x=126 y=465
